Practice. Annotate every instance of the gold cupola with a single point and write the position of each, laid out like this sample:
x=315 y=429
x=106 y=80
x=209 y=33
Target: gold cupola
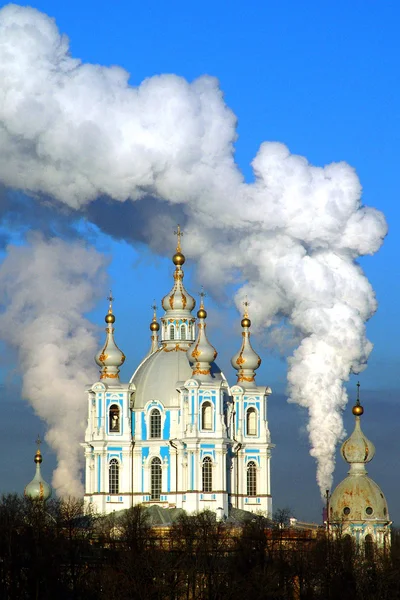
x=201 y=354
x=38 y=489
x=246 y=361
x=110 y=356
x=178 y=322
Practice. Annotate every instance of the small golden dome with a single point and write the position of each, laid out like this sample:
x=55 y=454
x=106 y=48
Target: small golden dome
x=178 y=259
x=109 y=318
x=154 y=326
x=358 y=410
x=246 y=322
x=202 y=313
x=38 y=457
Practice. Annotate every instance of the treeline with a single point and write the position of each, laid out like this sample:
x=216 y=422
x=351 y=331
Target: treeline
x=56 y=552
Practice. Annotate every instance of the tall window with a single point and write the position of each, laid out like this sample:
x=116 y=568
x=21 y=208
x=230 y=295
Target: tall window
x=155 y=423
x=251 y=478
x=183 y=332
x=156 y=478
x=251 y=421
x=114 y=420
x=113 y=476
x=206 y=416
x=207 y=474
x=171 y=332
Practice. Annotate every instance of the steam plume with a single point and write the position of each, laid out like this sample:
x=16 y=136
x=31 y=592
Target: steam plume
x=81 y=135
x=45 y=288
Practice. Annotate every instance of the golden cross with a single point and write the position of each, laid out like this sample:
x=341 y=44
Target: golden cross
x=110 y=299
x=38 y=441
x=154 y=307
x=246 y=305
x=179 y=234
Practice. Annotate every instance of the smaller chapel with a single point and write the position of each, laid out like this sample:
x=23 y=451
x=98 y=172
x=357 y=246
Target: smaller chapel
x=177 y=434
x=357 y=507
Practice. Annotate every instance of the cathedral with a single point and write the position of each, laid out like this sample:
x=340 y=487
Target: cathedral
x=178 y=434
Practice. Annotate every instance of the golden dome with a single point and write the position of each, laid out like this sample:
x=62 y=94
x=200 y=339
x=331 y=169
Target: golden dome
x=154 y=326
x=358 y=410
x=178 y=259
x=109 y=318
x=245 y=322
x=201 y=313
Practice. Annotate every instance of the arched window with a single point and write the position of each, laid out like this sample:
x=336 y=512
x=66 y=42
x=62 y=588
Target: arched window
x=114 y=420
x=156 y=478
x=206 y=416
x=251 y=421
x=155 y=423
x=171 y=332
x=251 y=478
x=207 y=474
x=113 y=476
x=183 y=332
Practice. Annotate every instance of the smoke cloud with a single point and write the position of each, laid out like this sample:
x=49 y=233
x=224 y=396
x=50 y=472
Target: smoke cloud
x=46 y=286
x=81 y=136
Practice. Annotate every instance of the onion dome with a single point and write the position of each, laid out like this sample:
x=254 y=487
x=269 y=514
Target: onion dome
x=201 y=354
x=178 y=298
x=154 y=328
x=110 y=357
x=357 y=448
x=246 y=361
x=38 y=489
x=358 y=498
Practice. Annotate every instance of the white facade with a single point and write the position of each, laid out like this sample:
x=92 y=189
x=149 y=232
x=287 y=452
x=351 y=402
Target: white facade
x=177 y=435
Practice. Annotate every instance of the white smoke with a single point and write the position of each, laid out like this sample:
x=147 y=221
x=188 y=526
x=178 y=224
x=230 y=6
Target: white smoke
x=45 y=288
x=76 y=132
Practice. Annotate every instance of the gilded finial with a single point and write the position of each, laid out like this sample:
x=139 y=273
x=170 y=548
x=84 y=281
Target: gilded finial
x=38 y=455
x=179 y=234
x=202 y=313
x=178 y=259
x=110 y=317
x=154 y=325
x=357 y=408
x=246 y=321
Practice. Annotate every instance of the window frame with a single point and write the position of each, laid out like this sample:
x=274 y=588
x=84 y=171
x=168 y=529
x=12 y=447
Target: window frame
x=250 y=431
x=155 y=424
x=207 y=404
x=155 y=478
x=206 y=475
x=113 y=477
x=114 y=409
x=251 y=479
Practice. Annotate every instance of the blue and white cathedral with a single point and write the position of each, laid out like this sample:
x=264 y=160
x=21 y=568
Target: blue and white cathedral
x=177 y=434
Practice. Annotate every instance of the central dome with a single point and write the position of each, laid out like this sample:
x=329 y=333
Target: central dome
x=159 y=375
x=358 y=499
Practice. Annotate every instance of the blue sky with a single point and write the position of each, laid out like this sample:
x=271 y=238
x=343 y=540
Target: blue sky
x=321 y=78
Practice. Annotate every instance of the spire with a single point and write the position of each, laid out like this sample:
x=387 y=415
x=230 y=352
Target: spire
x=246 y=361
x=201 y=354
x=154 y=328
x=357 y=450
x=110 y=357
x=178 y=304
x=38 y=489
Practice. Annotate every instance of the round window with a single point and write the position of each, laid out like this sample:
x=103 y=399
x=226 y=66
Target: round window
x=346 y=510
x=369 y=510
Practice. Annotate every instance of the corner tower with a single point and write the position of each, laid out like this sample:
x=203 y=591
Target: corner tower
x=251 y=451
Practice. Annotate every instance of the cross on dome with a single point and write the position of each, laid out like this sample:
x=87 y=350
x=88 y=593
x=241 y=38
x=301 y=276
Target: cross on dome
x=179 y=235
